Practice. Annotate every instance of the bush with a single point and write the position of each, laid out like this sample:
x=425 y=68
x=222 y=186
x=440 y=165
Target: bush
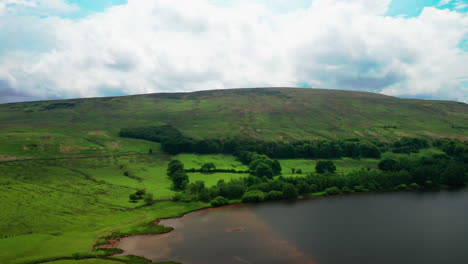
x=274 y=195
x=313 y=188
x=360 y=188
x=289 y=191
x=332 y=190
x=219 y=201
x=346 y=189
x=204 y=195
x=323 y=166
x=414 y=185
x=253 y=197
x=402 y=187
x=182 y=197
x=428 y=184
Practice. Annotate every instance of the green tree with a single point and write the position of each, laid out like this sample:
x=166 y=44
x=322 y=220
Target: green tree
x=173 y=167
x=323 y=166
x=179 y=180
x=195 y=187
x=148 y=198
x=204 y=195
x=455 y=175
x=289 y=191
x=133 y=198
x=263 y=170
x=389 y=165
x=208 y=167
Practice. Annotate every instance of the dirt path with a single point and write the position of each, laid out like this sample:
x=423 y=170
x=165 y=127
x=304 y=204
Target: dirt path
x=113 y=229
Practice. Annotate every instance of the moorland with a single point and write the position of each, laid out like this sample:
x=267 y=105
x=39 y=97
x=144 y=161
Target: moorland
x=74 y=173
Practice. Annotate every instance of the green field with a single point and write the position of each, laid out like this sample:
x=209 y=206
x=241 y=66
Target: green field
x=66 y=177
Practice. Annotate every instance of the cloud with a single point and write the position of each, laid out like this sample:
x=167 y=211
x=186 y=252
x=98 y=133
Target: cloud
x=163 y=45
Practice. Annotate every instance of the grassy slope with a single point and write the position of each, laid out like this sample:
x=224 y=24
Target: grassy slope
x=91 y=126
x=54 y=208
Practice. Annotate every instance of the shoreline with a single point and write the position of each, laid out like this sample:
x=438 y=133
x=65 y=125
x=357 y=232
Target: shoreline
x=112 y=242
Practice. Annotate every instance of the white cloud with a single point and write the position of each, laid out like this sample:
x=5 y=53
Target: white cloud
x=444 y=2
x=163 y=45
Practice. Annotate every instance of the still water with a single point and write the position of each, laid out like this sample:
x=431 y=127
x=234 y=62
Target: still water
x=401 y=227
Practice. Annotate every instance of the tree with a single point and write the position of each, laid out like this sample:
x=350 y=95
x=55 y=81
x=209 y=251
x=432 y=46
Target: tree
x=148 y=198
x=233 y=190
x=289 y=191
x=389 y=165
x=323 y=166
x=196 y=187
x=207 y=167
x=133 y=198
x=173 y=167
x=179 y=180
x=455 y=175
x=204 y=195
x=263 y=170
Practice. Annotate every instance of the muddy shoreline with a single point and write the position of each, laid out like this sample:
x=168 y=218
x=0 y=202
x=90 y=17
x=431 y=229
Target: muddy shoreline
x=112 y=243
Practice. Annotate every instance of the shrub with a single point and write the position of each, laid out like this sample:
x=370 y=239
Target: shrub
x=414 y=185
x=402 y=187
x=253 y=196
x=428 y=184
x=346 y=189
x=219 y=201
x=289 y=191
x=183 y=197
x=204 y=195
x=314 y=188
x=323 y=166
x=274 y=195
x=332 y=190
x=360 y=188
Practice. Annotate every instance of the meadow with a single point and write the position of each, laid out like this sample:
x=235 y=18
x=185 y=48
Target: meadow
x=57 y=208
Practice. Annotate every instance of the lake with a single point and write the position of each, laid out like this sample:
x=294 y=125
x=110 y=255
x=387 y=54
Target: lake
x=397 y=227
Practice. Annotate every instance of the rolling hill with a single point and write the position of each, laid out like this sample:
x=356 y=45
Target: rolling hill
x=66 y=176
x=90 y=126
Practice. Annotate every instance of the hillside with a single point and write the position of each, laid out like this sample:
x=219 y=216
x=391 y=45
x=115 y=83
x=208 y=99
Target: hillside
x=66 y=177
x=90 y=126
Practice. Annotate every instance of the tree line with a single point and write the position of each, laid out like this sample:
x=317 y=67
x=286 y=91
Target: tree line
x=174 y=142
x=393 y=174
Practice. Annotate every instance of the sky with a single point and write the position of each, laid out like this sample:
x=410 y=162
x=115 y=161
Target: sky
x=55 y=49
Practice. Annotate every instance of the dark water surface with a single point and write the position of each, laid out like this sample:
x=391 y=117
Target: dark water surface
x=400 y=227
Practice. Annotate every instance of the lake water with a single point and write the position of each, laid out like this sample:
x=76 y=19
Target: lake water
x=399 y=227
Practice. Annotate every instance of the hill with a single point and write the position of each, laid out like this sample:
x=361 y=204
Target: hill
x=90 y=126
x=67 y=178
